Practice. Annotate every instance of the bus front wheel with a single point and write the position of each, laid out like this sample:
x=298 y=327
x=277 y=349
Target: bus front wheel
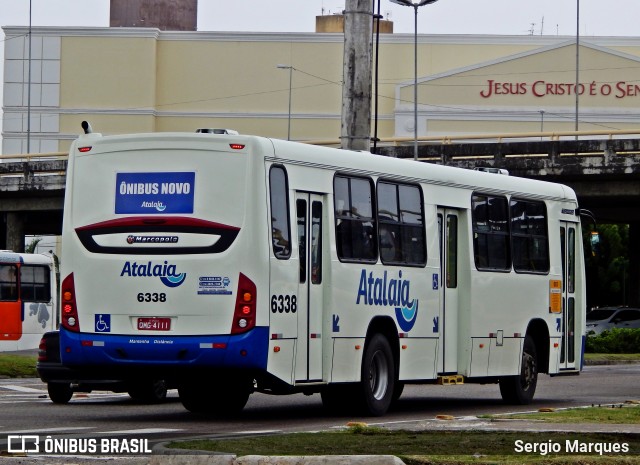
x=378 y=376
x=519 y=389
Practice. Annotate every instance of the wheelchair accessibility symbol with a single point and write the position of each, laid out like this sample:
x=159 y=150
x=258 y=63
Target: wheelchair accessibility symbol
x=103 y=323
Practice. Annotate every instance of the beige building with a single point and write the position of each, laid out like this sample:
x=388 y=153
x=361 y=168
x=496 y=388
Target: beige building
x=134 y=79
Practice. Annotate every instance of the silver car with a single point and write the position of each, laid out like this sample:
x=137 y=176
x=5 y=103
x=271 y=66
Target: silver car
x=607 y=318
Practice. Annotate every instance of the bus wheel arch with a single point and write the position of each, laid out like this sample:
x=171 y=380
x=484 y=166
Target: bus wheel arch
x=379 y=370
x=520 y=389
x=539 y=332
x=386 y=327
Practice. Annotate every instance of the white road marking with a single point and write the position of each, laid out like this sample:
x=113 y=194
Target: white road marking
x=265 y=431
x=51 y=430
x=140 y=431
x=13 y=387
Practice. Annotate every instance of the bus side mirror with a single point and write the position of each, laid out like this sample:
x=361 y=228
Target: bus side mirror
x=595 y=243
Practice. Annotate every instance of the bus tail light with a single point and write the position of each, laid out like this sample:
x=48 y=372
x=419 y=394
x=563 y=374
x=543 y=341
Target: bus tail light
x=42 y=350
x=244 y=316
x=68 y=305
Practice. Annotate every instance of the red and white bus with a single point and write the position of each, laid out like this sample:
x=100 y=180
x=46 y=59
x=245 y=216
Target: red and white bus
x=28 y=299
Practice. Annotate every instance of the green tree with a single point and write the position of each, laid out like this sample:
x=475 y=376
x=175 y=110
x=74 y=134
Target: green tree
x=608 y=271
x=31 y=247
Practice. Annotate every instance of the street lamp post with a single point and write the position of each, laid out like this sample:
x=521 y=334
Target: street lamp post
x=577 y=89
x=290 y=68
x=29 y=89
x=415 y=5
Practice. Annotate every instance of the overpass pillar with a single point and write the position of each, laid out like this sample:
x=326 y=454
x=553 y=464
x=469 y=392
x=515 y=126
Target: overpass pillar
x=14 y=230
x=634 y=264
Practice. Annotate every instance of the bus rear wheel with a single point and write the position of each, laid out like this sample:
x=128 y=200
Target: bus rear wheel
x=198 y=397
x=148 y=392
x=519 y=389
x=377 y=377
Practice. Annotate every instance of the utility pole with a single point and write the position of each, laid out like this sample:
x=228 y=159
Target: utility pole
x=355 y=133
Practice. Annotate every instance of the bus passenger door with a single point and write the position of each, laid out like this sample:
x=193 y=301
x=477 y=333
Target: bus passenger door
x=448 y=288
x=11 y=311
x=566 y=322
x=310 y=230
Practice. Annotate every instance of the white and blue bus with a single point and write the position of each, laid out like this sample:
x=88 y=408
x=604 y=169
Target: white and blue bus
x=28 y=299
x=229 y=264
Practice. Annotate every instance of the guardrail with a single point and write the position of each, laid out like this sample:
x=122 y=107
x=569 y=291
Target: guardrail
x=402 y=141
x=31 y=156
x=33 y=171
x=499 y=138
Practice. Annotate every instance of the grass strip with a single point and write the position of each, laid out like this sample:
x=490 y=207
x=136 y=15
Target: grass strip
x=18 y=366
x=614 y=414
x=612 y=357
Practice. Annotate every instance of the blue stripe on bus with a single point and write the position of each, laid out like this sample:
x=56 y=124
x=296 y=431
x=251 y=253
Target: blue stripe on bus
x=174 y=351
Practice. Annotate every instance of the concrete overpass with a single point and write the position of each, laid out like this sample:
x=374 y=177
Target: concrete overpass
x=31 y=197
x=605 y=173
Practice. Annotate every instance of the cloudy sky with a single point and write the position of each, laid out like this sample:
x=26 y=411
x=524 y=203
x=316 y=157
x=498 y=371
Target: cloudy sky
x=516 y=17
x=597 y=17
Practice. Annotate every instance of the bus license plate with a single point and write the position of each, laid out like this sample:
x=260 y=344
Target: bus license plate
x=154 y=324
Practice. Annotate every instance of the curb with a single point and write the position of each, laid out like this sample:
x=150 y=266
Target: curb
x=610 y=362
x=163 y=455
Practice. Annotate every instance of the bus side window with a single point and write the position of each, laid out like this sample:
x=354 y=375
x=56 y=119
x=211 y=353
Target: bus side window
x=34 y=284
x=491 y=232
x=356 y=236
x=8 y=283
x=280 y=224
x=529 y=236
x=401 y=218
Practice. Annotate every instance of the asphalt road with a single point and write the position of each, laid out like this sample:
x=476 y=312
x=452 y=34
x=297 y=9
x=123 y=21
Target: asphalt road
x=26 y=410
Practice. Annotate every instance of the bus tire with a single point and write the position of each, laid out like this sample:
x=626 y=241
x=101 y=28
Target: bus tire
x=59 y=393
x=215 y=401
x=377 y=383
x=148 y=392
x=519 y=390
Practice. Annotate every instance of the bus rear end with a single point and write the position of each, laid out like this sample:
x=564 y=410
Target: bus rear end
x=161 y=262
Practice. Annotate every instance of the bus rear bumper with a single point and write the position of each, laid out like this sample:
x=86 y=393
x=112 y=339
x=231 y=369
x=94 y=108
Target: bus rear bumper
x=244 y=351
